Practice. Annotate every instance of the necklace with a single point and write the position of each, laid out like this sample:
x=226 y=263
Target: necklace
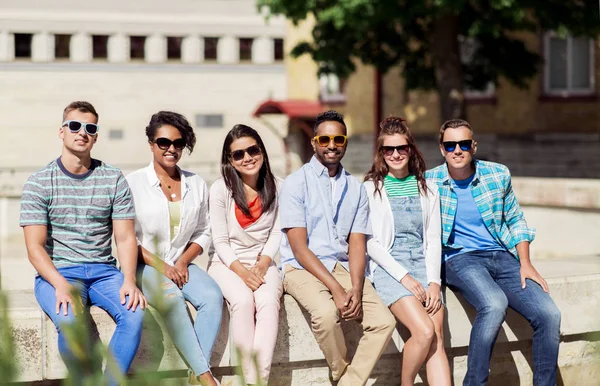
x=173 y=195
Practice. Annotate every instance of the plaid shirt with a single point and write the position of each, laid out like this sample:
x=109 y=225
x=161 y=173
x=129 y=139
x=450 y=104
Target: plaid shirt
x=492 y=190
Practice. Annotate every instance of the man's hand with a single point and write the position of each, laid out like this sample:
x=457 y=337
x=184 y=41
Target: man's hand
x=136 y=297
x=415 y=287
x=434 y=300
x=353 y=302
x=529 y=272
x=174 y=275
x=182 y=270
x=64 y=298
x=339 y=298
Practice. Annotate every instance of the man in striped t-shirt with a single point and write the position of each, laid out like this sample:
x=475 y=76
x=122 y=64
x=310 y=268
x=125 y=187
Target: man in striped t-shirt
x=69 y=212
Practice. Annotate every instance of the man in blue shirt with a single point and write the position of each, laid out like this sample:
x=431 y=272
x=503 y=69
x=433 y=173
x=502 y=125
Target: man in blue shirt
x=324 y=214
x=485 y=243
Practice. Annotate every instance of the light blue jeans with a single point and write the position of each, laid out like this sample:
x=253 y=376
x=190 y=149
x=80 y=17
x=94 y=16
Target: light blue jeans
x=194 y=341
x=98 y=285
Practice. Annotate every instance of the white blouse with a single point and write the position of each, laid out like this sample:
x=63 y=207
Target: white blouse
x=152 y=223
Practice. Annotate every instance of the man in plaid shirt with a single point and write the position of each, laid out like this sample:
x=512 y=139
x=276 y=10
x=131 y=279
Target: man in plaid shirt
x=485 y=242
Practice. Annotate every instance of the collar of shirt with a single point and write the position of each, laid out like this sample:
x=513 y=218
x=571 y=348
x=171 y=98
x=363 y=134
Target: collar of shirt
x=446 y=179
x=155 y=182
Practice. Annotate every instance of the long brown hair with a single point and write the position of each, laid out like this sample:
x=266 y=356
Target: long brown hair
x=267 y=188
x=416 y=162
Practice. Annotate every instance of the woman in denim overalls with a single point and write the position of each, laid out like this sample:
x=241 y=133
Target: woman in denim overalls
x=405 y=249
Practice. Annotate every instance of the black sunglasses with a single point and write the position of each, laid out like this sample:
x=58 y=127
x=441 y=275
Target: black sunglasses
x=165 y=143
x=465 y=145
x=389 y=150
x=75 y=126
x=252 y=151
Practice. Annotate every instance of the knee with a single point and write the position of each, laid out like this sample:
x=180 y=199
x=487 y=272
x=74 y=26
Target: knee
x=267 y=302
x=386 y=322
x=243 y=303
x=325 y=318
x=424 y=334
x=495 y=309
x=131 y=321
x=549 y=317
x=212 y=295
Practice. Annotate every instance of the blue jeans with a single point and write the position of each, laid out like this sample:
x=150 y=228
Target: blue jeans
x=98 y=285
x=194 y=341
x=490 y=281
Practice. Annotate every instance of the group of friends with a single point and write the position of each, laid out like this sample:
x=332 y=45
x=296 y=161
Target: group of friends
x=376 y=252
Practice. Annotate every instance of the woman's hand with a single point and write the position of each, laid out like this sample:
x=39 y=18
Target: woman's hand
x=415 y=287
x=261 y=266
x=174 y=275
x=250 y=278
x=182 y=269
x=434 y=299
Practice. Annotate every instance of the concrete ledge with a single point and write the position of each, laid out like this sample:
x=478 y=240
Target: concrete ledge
x=574 y=283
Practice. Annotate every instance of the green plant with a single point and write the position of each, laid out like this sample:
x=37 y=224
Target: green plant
x=8 y=363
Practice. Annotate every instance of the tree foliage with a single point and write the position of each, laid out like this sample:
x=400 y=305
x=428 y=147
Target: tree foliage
x=385 y=33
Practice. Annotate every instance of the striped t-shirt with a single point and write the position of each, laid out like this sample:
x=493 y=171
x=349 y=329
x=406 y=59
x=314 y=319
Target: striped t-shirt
x=78 y=210
x=401 y=187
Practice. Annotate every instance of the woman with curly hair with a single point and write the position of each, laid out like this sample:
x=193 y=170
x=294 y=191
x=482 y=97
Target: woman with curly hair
x=405 y=249
x=172 y=228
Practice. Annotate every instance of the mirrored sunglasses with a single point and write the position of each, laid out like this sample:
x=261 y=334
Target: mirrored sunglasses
x=465 y=145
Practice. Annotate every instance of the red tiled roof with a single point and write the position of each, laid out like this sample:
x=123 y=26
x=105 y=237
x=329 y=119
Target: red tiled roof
x=292 y=108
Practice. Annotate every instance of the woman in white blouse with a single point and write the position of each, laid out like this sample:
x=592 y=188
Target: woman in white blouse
x=172 y=228
x=405 y=249
x=246 y=237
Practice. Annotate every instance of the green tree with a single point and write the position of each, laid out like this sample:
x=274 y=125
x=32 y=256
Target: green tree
x=423 y=37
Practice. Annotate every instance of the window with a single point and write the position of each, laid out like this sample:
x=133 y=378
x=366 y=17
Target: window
x=569 y=65
x=136 y=47
x=209 y=121
x=100 y=46
x=174 y=48
x=115 y=134
x=278 y=52
x=333 y=89
x=210 y=48
x=246 y=48
x=468 y=47
x=23 y=45
x=62 y=46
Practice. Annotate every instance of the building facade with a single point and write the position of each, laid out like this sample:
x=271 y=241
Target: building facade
x=551 y=128
x=211 y=60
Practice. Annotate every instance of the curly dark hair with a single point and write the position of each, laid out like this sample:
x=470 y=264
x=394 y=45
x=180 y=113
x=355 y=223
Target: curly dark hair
x=416 y=162
x=176 y=120
x=329 y=116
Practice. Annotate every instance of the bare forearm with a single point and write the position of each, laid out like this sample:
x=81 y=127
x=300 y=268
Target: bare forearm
x=191 y=252
x=523 y=252
x=42 y=263
x=357 y=259
x=127 y=251
x=312 y=264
